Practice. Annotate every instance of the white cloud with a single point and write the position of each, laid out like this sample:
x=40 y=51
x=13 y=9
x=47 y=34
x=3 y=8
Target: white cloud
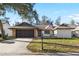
x=68 y=18
x=74 y=16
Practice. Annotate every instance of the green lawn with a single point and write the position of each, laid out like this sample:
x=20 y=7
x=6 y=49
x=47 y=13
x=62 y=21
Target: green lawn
x=36 y=47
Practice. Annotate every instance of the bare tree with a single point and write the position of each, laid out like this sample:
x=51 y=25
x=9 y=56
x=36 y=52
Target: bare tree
x=57 y=22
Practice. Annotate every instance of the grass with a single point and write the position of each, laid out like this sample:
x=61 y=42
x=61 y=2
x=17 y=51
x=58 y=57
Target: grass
x=53 y=48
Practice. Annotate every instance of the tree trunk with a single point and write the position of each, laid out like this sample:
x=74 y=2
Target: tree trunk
x=2 y=31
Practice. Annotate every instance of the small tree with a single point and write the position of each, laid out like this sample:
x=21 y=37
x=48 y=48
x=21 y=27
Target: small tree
x=44 y=20
x=72 y=22
x=57 y=22
x=50 y=22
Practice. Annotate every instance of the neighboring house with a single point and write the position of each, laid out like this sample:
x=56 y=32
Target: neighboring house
x=46 y=30
x=6 y=25
x=27 y=30
x=63 y=31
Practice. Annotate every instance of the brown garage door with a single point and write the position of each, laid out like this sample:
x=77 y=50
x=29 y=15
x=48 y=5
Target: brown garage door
x=24 y=33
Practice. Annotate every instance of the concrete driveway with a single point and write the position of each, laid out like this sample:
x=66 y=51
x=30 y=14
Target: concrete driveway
x=15 y=47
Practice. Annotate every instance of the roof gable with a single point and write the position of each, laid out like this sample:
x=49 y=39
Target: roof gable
x=64 y=26
x=25 y=24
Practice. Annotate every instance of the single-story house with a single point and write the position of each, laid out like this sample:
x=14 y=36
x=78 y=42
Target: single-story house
x=24 y=30
x=63 y=31
x=6 y=25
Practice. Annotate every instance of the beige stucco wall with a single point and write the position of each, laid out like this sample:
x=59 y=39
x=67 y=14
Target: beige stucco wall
x=6 y=27
x=7 y=31
x=14 y=32
x=35 y=33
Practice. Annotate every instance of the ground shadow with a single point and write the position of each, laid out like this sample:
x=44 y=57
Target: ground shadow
x=8 y=41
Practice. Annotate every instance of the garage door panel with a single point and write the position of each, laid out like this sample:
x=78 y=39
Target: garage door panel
x=24 y=33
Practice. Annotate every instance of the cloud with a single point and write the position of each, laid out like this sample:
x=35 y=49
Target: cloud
x=68 y=18
x=74 y=16
x=59 y=11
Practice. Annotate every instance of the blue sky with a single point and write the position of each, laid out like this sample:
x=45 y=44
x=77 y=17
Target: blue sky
x=67 y=11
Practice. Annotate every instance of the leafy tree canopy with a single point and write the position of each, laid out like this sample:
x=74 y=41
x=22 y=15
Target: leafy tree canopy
x=23 y=9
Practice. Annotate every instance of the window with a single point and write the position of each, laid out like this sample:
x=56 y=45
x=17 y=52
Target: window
x=47 y=32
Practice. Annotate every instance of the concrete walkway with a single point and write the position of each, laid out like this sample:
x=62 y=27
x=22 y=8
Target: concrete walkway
x=15 y=47
x=18 y=47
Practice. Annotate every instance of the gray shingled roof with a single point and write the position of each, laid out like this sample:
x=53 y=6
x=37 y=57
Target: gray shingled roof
x=24 y=25
x=45 y=27
x=65 y=26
